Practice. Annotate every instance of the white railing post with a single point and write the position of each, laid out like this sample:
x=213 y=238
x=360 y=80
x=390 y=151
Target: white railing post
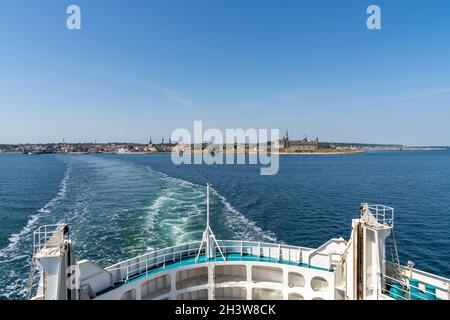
x=392 y=219
x=330 y=262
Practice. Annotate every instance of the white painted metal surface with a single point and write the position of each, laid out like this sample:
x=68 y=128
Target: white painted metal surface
x=359 y=268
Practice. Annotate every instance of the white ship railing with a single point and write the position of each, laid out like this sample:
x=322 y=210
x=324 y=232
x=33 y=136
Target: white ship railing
x=383 y=214
x=233 y=250
x=409 y=290
x=49 y=236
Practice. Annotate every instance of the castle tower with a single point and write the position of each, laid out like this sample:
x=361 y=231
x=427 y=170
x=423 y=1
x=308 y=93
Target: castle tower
x=286 y=140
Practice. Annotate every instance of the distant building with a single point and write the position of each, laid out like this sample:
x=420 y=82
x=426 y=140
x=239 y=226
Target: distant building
x=165 y=147
x=298 y=145
x=123 y=150
x=151 y=147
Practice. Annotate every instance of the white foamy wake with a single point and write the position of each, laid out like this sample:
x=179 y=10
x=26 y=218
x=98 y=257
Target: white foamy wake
x=174 y=210
x=241 y=226
x=17 y=288
x=16 y=237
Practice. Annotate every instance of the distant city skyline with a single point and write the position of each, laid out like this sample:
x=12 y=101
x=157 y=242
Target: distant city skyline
x=145 y=68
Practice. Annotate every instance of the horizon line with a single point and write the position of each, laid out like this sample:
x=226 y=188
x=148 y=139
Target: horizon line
x=159 y=143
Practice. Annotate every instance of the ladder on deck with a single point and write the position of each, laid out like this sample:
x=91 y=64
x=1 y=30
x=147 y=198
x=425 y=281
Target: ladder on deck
x=392 y=243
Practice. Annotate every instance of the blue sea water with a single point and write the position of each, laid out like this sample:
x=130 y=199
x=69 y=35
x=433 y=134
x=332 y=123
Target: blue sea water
x=119 y=206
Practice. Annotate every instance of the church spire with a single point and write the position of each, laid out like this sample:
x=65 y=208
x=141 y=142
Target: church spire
x=286 y=140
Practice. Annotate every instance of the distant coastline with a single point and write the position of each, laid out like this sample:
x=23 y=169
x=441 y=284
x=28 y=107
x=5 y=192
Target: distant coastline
x=318 y=152
x=323 y=152
x=302 y=148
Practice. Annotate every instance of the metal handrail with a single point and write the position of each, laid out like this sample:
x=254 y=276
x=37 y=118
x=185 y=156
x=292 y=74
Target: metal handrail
x=135 y=267
x=113 y=268
x=153 y=253
x=404 y=288
x=44 y=233
x=180 y=253
x=238 y=243
x=383 y=214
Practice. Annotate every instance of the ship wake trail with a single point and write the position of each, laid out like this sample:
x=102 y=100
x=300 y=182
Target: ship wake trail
x=14 y=283
x=175 y=215
x=15 y=238
x=242 y=227
x=181 y=208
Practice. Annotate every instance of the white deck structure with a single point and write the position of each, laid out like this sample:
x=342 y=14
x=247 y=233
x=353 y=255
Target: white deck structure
x=365 y=267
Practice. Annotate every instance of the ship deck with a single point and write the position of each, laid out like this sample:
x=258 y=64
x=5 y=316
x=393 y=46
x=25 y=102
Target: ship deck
x=187 y=261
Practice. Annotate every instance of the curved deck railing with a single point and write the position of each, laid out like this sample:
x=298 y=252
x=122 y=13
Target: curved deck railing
x=233 y=250
x=412 y=289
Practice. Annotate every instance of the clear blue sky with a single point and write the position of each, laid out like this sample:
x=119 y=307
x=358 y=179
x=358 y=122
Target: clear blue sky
x=141 y=68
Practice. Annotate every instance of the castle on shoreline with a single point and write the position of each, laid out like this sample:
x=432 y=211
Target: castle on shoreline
x=287 y=145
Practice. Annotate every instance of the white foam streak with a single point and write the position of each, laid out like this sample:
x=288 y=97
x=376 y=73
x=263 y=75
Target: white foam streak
x=15 y=237
x=238 y=223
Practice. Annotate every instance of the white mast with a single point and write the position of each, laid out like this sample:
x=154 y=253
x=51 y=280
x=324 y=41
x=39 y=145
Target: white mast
x=209 y=240
x=208 y=244
x=207 y=205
